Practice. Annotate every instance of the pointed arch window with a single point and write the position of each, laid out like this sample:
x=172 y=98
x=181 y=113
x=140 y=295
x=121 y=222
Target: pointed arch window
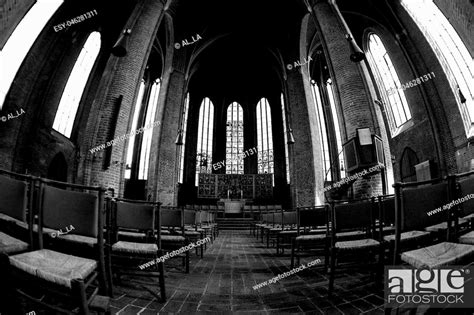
x=285 y=135
x=324 y=130
x=452 y=53
x=139 y=144
x=337 y=128
x=205 y=138
x=69 y=103
x=185 y=127
x=234 y=139
x=21 y=41
x=264 y=138
x=396 y=105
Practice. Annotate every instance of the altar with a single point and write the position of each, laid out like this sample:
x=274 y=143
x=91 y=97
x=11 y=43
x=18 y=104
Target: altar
x=233 y=206
x=235 y=186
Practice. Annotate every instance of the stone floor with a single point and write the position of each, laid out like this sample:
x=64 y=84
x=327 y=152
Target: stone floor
x=223 y=282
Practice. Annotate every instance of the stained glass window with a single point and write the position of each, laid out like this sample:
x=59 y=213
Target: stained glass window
x=234 y=139
x=205 y=138
x=264 y=138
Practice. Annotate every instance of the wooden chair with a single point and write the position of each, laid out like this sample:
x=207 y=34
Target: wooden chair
x=288 y=231
x=67 y=283
x=173 y=220
x=413 y=202
x=15 y=235
x=356 y=216
x=127 y=257
x=464 y=187
x=192 y=232
x=312 y=232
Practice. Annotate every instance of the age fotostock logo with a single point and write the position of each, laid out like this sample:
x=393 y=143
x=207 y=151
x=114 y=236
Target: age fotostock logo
x=443 y=287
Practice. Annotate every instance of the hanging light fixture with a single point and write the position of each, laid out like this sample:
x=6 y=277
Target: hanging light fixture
x=179 y=138
x=357 y=55
x=120 y=47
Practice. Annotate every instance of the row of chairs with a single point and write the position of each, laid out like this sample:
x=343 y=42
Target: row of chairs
x=105 y=239
x=393 y=228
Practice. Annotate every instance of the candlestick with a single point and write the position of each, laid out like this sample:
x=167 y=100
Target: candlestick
x=241 y=194
x=228 y=194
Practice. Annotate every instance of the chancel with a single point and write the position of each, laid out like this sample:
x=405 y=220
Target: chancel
x=292 y=156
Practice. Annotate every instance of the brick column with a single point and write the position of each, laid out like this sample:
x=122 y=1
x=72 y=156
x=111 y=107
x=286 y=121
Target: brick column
x=122 y=76
x=302 y=153
x=163 y=171
x=353 y=101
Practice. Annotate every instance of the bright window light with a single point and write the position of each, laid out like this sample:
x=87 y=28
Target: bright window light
x=285 y=135
x=396 y=105
x=185 y=127
x=205 y=138
x=264 y=138
x=21 y=40
x=337 y=129
x=453 y=55
x=67 y=109
x=234 y=139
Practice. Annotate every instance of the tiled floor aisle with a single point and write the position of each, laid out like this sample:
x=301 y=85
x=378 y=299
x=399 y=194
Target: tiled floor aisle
x=222 y=282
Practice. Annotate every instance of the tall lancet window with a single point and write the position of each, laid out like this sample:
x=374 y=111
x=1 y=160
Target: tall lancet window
x=235 y=139
x=452 y=53
x=337 y=129
x=264 y=138
x=323 y=128
x=396 y=106
x=143 y=123
x=185 y=127
x=285 y=137
x=21 y=40
x=205 y=138
x=148 y=126
x=69 y=104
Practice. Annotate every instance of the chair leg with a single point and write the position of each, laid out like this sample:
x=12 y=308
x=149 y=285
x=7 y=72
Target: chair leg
x=187 y=261
x=332 y=271
x=161 y=270
x=110 y=283
x=79 y=292
x=293 y=244
x=326 y=255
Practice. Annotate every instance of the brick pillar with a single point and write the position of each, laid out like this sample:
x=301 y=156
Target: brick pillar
x=302 y=166
x=122 y=76
x=353 y=101
x=164 y=166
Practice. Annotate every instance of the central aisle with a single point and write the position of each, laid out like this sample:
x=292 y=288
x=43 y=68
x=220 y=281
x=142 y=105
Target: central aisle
x=223 y=282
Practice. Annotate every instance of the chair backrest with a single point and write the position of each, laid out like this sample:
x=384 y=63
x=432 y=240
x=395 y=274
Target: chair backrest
x=189 y=217
x=138 y=216
x=358 y=215
x=465 y=187
x=61 y=208
x=13 y=197
x=416 y=201
x=386 y=206
x=213 y=207
x=278 y=207
x=289 y=218
x=309 y=217
x=172 y=217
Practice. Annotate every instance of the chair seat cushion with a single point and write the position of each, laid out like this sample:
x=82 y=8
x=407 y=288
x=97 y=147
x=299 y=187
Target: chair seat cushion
x=81 y=239
x=8 y=218
x=318 y=231
x=135 y=248
x=442 y=226
x=288 y=232
x=310 y=237
x=357 y=244
x=438 y=255
x=54 y=266
x=350 y=234
x=132 y=234
x=467 y=238
x=172 y=238
x=407 y=236
x=10 y=245
x=196 y=233
x=468 y=217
